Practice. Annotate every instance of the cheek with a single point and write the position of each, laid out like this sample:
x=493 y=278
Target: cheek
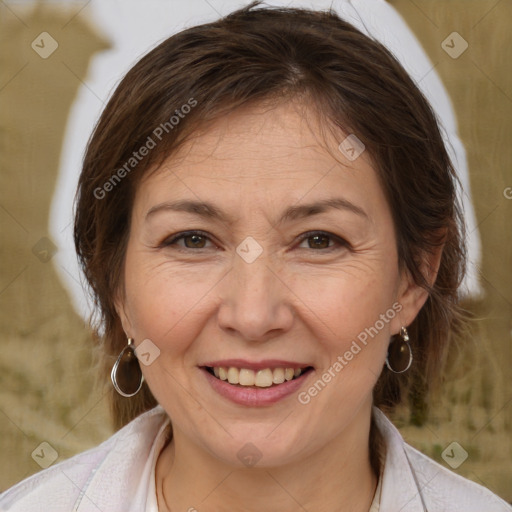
x=345 y=303
x=352 y=312
x=162 y=300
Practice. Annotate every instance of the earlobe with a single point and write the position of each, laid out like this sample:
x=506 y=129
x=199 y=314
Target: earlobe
x=412 y=298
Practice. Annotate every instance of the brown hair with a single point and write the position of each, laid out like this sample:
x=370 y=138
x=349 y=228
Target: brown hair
x=275 y=54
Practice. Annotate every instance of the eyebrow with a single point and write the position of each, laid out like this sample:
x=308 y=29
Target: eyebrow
x=208 y=210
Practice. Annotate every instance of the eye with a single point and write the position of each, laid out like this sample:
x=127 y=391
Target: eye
x=191 y=240
x=319 y=240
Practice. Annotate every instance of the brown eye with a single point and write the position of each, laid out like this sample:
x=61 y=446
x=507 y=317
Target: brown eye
x=318 y=242
x=191 y=240
x=196 y=241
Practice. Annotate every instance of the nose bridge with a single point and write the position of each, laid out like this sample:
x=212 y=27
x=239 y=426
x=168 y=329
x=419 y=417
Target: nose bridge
x=254 y=279
x=255 y=301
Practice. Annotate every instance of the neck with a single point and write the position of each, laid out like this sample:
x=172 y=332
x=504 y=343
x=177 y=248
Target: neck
x=338 y=477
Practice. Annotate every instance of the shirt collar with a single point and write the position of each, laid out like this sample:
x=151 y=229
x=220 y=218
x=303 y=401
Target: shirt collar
x=400 y=491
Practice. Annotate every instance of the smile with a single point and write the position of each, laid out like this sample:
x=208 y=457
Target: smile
x=263 y=378
x=262 y=385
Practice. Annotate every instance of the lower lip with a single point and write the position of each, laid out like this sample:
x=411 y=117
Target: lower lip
x=252 y=396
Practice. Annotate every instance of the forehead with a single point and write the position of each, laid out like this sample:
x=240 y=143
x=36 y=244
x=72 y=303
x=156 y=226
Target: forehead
x=261 y=133
x=283 y=153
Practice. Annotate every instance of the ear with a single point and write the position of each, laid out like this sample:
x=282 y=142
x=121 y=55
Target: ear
x=410 y=295
x=119 y=304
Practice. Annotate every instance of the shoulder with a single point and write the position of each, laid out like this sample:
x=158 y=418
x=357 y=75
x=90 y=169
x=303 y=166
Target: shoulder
x=414 y=482
x=443 y=489
x=110 y=465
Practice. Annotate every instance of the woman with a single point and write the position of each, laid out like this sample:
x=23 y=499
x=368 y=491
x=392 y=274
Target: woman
x=267 y=218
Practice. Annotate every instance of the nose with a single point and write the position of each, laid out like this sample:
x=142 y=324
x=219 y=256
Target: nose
x=256 y=303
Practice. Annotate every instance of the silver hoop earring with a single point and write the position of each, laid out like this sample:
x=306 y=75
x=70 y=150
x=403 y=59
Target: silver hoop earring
x=126 y=374
x=399 y=358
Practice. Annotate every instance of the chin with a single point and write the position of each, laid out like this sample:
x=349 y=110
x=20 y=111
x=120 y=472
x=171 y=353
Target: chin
x=258 y=451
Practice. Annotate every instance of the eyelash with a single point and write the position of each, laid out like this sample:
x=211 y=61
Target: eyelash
x=337 y=240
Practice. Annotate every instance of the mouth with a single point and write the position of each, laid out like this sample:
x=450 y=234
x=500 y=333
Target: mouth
x=261 y=378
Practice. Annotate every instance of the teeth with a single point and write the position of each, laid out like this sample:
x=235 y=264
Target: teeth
x=278 y=376
x=233 y=375
x=247 y=377
x=223 y=374
x=261 y=378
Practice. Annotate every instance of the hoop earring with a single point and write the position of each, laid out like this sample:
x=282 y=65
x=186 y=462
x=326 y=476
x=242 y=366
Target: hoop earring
x=399 y=358
x=126 y=374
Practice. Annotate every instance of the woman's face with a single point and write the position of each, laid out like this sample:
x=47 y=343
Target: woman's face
x=268 y=281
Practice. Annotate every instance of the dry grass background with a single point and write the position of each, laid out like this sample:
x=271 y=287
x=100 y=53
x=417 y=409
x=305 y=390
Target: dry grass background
x=476 y=404
x=47 y=390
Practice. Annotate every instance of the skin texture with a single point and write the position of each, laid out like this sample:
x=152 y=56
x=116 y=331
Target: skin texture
x=198 y=300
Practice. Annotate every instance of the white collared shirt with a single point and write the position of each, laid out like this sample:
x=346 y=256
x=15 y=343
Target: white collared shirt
x=119 y=476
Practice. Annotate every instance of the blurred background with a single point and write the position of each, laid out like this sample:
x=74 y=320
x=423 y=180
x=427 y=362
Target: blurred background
x=59 y=62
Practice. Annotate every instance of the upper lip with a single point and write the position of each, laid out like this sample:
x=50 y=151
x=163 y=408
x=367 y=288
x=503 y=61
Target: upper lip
x=256 y=365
